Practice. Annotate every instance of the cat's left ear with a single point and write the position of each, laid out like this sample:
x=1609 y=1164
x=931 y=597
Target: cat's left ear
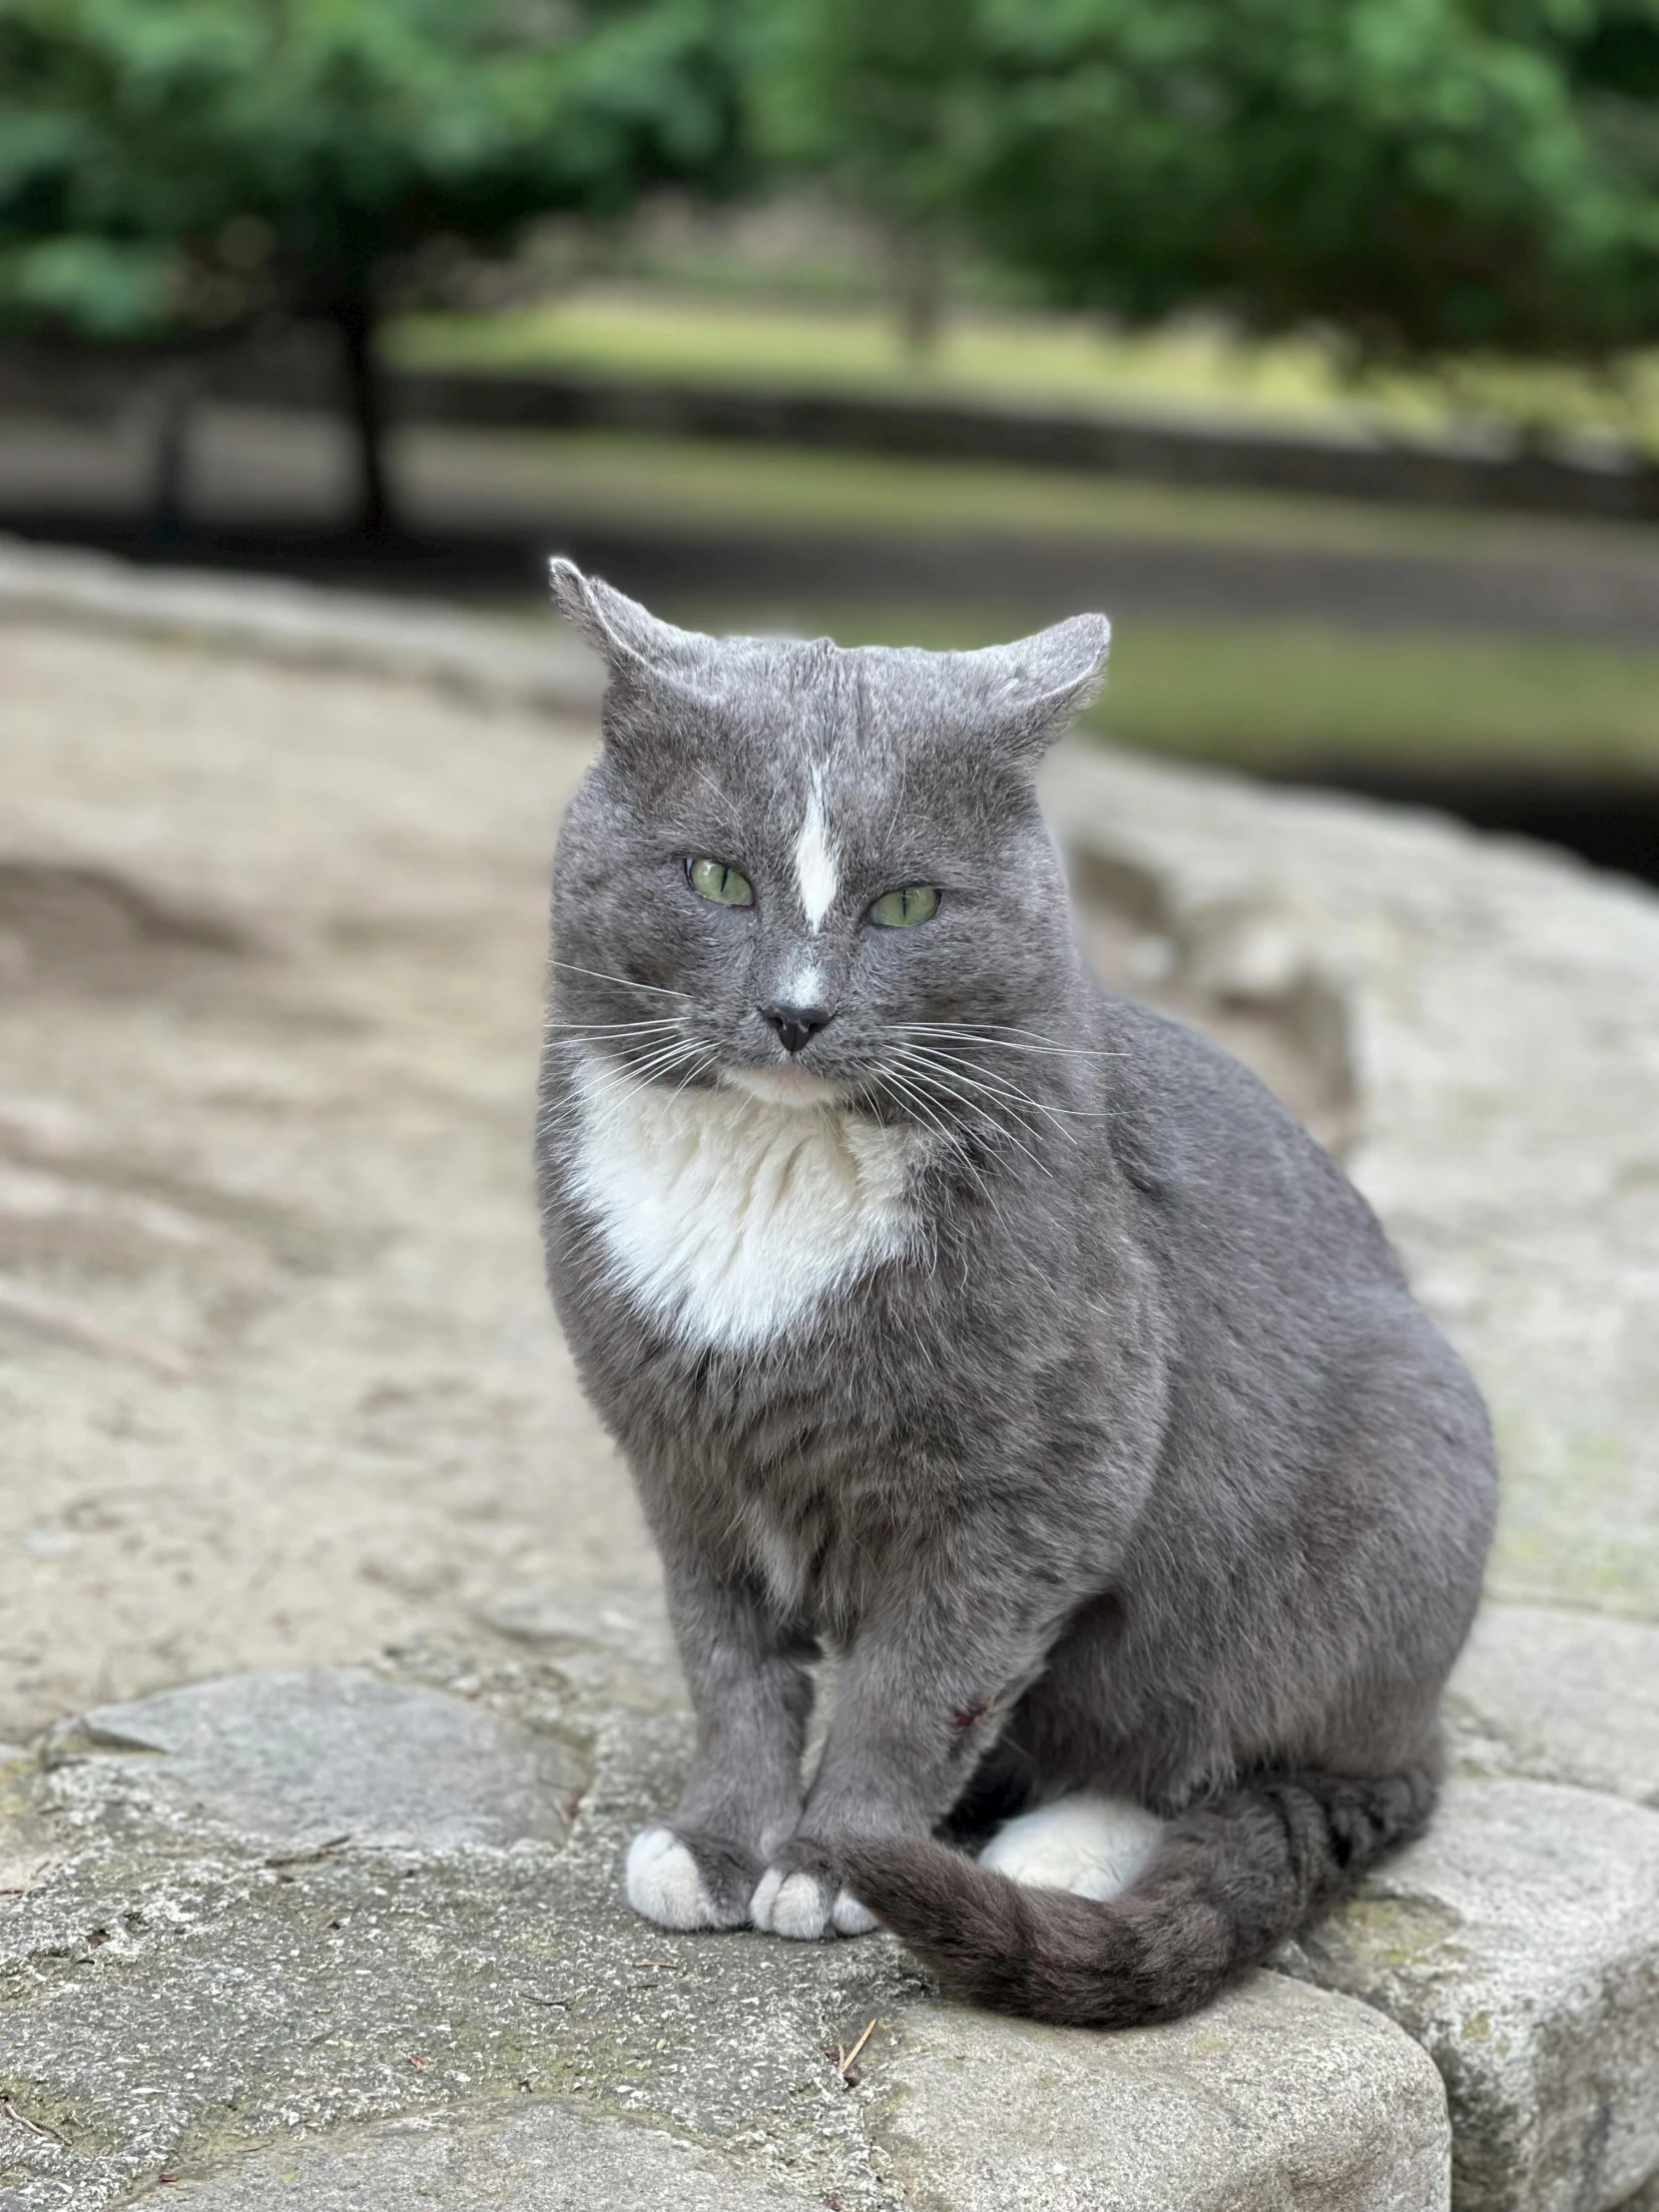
x=1032 y=686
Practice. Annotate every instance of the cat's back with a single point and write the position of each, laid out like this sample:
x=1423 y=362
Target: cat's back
x=1223 y=1178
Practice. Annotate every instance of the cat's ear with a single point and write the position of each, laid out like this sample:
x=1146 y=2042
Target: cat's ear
x=632 y=641
x=655 y=695
x=1033 y=685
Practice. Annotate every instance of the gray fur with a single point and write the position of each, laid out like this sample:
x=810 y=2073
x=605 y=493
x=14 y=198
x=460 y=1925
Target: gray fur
x=1138 y=1468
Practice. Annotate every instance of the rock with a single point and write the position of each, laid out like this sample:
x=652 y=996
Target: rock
x=1278 y=2096
x=1566 y=1697
x=299 y=1760
x=1518 y=1941
x=543 y=2156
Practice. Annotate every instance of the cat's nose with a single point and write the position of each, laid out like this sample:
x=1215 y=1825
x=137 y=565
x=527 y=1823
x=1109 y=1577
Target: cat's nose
x=797 y=1027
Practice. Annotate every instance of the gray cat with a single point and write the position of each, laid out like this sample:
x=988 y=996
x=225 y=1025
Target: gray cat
x=987 y=1332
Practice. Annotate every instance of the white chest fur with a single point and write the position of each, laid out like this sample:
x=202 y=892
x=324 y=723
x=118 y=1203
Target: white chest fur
x=730 y=1218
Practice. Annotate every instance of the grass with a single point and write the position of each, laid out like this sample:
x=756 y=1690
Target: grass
x=1270 y=694
x=1279 y=697
x=1192 y=368
x=1283 y=696
x=683 y=483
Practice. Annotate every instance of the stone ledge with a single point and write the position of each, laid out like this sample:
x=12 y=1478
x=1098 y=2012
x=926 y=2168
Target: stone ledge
x=1518 y=1943
x=1562 y=1697
x=541 y=2155
x=1263 y=2099
x=335 y=1756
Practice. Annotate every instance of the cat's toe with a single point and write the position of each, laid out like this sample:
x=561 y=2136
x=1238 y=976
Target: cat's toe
x=806 y=1907
x=668 y=1882
x=850 y=1917
x=793 y=1905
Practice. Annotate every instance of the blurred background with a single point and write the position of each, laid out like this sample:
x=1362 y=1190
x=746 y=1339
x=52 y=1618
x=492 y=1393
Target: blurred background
x=1315 y=340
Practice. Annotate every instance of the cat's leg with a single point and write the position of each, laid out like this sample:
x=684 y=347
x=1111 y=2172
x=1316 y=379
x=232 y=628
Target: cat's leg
x=920 y=1699
x=1088 y=1842
x=751 y=1694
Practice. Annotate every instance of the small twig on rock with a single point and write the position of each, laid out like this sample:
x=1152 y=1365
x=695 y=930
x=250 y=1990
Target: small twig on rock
x=306 y=1858
x=35 y=2128
x=848 y=2067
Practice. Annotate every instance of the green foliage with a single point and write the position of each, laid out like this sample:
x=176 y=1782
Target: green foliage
x=1427 y=176
x=184 y=162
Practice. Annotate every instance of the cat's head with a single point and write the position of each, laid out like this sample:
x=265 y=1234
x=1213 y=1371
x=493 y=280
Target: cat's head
x=813 y=873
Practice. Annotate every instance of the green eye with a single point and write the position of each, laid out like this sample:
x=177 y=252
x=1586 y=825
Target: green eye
x=900 y=910
x=714 y=879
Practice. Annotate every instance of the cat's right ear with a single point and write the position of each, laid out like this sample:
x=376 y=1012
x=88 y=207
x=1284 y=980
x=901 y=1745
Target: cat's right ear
x=652 y=695
x=630 y=640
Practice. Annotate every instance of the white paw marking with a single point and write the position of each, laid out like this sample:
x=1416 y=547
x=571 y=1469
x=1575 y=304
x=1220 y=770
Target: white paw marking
x=850 y=1917
x=664 y=1885
x=1092 y=1845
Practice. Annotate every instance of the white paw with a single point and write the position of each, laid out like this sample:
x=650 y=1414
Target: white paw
x=850 y=1917
x=664 y=1883
x=1092 y=1845
x=798 y=1906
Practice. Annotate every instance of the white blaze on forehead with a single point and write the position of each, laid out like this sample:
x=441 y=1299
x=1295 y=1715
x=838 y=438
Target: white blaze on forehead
x=814 y=863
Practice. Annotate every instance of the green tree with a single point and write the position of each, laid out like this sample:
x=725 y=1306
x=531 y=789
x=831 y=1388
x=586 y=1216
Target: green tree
x=177 y=168
x=868 y=91
x=1428 y=177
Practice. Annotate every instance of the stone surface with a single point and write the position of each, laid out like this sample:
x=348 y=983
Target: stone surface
x=1278 y=2096
x=338 y=1755
x=171 y=1999
x=546 y=2155
x=272 y=944
x=1568 y=1697
x=1518 y=1943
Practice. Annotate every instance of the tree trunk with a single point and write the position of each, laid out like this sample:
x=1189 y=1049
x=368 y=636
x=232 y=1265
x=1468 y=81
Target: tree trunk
x=355 y=320
x=918 y=273
x=172 y=396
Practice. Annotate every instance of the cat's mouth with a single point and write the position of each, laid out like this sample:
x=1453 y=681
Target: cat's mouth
x=782 y=1086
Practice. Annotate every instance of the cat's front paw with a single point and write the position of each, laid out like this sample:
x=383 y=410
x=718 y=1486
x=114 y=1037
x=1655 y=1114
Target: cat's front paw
x=689 y=1881
x=800 y=1895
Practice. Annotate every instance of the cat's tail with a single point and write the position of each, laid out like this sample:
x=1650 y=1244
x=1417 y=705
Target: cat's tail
x=1228 y=1882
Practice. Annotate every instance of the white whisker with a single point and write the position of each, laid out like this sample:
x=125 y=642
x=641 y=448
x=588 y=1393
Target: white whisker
x=1009 y=1092
x=584 y=1029
x=938 y=1079
x=967 y=1034
x=628 y=982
